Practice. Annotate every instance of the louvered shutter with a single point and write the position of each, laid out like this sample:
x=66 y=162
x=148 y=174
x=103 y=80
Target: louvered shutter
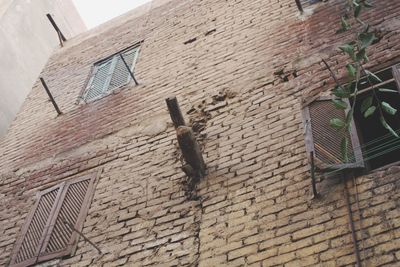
x=121 y=74
x=99 y=81
x=325 y=141
x=72 y=208
x=110 y=74
x=68 y=202
x=34 y=231
x=396 y=75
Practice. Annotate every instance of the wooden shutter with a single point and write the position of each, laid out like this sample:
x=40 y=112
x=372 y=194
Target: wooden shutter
x=324 y=141
x=396 y=75
x=70 y=205
x=33 y=232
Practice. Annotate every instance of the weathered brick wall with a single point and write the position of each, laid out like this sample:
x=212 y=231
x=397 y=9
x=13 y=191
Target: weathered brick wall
x=243 y=77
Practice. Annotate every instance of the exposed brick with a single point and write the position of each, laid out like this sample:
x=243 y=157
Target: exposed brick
x=255 y=205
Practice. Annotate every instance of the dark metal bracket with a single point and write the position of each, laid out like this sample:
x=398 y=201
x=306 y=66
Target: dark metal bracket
x=71 y=226
x=50 y=96
x=299 y=6
x=61 y=36
x=313 y=180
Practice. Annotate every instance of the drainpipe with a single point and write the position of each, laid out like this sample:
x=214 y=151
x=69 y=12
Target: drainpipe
x=351 y=222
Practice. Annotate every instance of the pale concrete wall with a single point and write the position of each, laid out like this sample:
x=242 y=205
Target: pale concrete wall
x=27 y=40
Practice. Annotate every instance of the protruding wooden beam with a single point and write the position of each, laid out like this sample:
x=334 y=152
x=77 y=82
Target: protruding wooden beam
x=191 y=151
x=50 y=96
x=175 y=112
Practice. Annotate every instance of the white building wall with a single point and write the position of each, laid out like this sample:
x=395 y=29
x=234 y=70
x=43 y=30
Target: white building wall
x=27 y=39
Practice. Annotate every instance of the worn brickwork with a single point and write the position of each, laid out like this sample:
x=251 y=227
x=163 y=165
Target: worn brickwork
x=241 y=70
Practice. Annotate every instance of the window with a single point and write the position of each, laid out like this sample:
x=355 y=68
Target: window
x=371 y=146
x=378 y=145
x=324 y=142
x=47 y=232
x=110 y=74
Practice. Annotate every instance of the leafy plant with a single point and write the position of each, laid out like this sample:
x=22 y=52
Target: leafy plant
x=356 y=50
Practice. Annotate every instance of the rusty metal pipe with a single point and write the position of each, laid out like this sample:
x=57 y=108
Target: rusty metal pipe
x=351 y=222
x=50 y=96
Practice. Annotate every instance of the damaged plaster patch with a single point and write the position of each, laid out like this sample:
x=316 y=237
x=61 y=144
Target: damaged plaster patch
x=152 y=126
x=308 y=60
x=308 y=12
x=390 y=25
x=155 y=125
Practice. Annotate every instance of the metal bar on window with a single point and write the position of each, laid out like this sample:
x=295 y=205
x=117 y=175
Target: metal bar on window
x=50 y=96
x=314 y=186
x=61 y=36
x=129 y=70
x=71 y=226
x=299 y=6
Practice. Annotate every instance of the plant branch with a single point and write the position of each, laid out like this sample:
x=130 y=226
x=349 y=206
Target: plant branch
x=373 y=90
x=332 y=73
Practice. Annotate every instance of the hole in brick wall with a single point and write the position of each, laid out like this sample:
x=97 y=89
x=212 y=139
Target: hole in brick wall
x=283 y=76
x=190 y=41
x=210 y=32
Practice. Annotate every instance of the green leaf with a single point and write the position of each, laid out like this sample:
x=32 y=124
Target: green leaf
x=366 y=28
x=373 y=76
x=367 y=4
x=369 y=111
x=366 y=59
x=362 y=54
x=351 y=87
x=337 y=123
x=339 y=103
x=341 y=92
x=357 y=11
x=345 y=24
x=387 y=126
x=344 y=144
x=384 y=90
x=366 y=39
x=367 y=102
x=351 y=70
x=388 y=108
x=348 y=49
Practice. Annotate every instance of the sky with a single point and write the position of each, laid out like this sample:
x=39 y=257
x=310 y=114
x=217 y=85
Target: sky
x=95 y=12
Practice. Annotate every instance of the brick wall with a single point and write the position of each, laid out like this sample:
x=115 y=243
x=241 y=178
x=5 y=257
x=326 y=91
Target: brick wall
x=241 y=70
